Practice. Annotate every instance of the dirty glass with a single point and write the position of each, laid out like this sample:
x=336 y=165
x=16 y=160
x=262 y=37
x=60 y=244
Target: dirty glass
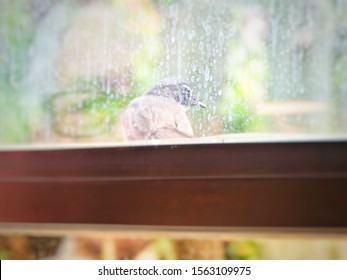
x=264 y=69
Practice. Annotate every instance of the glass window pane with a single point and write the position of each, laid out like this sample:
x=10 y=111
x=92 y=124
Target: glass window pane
x=265 y=70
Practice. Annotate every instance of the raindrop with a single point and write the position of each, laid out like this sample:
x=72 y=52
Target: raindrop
x=207 y=74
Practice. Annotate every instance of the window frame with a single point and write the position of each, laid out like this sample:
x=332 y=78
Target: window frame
x=255 y=185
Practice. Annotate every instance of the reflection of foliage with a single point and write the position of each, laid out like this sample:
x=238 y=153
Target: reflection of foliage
x=242 y=250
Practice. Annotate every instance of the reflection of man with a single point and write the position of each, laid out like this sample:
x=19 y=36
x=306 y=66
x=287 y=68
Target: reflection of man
x=161 y=112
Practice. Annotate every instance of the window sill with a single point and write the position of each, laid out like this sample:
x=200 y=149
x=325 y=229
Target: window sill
x=280 y=184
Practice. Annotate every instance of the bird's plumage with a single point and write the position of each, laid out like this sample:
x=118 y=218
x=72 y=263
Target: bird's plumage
x=156 y=117
x=161 y=112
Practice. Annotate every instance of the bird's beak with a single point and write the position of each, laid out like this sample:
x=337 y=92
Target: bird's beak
x=201 y=105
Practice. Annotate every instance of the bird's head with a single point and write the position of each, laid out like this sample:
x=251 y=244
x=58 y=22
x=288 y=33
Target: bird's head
x=178 y=90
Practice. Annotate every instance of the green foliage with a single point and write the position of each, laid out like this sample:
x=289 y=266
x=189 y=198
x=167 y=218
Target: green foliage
x=16 y=34
x=84 y=114
x=245 y=75
x=165 y=248
x=4 y=255
x=14 y=127
x=237 y=111
x=242 y=250
x=165 y=2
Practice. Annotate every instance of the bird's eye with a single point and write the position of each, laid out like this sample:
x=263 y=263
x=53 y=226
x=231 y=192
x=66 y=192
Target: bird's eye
x=188 y=95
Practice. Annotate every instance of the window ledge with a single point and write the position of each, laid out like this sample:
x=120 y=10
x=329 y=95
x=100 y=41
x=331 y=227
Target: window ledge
x=279 y=184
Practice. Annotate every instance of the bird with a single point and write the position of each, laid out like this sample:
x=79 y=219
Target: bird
x=160 y=113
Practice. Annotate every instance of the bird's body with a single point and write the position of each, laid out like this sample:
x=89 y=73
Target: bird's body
x=156 y=117
x=161 y=112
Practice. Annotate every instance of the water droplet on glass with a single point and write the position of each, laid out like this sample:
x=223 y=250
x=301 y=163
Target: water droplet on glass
x=207 y=74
